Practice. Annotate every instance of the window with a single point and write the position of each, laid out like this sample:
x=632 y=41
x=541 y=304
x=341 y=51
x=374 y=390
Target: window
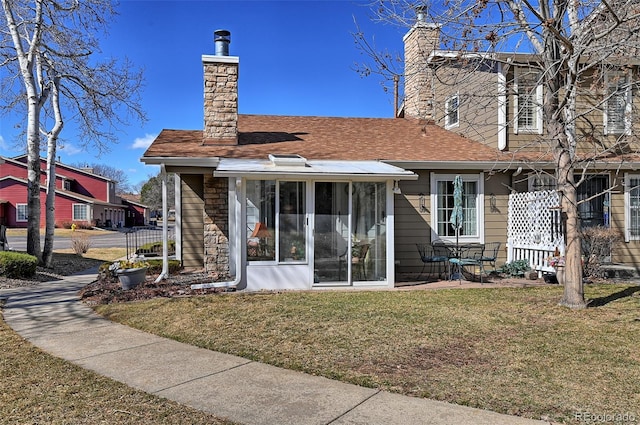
x=442 y=203
x=528 y=101
x=593 y=202
x=292 y=221
x=541 y=181
x=261 y=220
x=451 y=108
x=67 y=185
x=632 y=203
x=80 y=212
x=22 y=213
x=617 y=111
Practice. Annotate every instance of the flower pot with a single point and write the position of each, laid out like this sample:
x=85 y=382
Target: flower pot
x=560 y=274
x=130 y=278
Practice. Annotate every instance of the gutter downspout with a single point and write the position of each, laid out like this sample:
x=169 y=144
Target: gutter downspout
x=165 y=227
x=238 y=243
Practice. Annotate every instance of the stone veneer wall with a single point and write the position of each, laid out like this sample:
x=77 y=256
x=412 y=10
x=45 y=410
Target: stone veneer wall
x=216 y=226
x=221 y=102
x=419 y=42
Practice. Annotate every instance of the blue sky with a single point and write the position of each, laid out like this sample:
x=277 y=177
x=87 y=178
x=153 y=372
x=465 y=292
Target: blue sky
x=296 y=58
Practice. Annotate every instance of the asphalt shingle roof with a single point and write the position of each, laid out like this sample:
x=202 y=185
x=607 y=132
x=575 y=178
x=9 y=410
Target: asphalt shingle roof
x=328 y=138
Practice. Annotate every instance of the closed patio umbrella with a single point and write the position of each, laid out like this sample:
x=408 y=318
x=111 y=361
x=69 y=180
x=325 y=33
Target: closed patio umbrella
x=457 y=216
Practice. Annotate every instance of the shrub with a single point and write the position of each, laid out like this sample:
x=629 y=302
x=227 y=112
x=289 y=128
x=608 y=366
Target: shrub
x=80 y=243
x=155 y=266
x=597 y=244
x=516 y=268
x=66 y=224
x=17 y=265
x=155 y=248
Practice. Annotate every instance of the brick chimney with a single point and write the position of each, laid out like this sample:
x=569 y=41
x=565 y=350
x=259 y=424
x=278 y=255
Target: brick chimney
x=221 y=93
x=419 y=42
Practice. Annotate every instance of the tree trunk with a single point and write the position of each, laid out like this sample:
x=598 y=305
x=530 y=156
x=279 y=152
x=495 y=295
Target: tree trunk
x=33 y=181
x=573 y=296
x=47 y=253
x=52 y=141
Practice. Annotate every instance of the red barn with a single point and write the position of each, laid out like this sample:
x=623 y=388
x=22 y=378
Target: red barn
x=81 y=196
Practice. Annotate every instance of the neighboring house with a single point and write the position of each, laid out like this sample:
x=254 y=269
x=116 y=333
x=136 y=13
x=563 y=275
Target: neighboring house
x=293 y=202
x=81 y=196
x=496 y=100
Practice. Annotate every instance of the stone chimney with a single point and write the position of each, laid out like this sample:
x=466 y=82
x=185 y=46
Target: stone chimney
x=221 y=93
x=419 y=42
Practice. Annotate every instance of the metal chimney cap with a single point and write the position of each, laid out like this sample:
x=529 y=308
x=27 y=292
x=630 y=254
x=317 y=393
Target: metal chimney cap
x=221 y=34
x=222 y=40
x=421 y=13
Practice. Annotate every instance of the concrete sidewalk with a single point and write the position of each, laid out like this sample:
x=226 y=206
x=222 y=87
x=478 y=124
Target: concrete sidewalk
x=51 y=317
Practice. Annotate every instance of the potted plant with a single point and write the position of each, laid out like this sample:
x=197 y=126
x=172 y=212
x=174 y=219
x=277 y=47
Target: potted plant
x=558 y=262
x=130 y=272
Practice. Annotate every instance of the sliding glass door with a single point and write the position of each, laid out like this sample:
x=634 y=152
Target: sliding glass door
x=349 y=232
x=331 y=233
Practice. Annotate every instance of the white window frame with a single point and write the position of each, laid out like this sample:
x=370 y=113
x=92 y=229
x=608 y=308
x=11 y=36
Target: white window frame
x=479 y=179
x=537 y=108
x=612 y=80
x=25 y=214
x=627 y=206
x=86 y=211
x=448 y=110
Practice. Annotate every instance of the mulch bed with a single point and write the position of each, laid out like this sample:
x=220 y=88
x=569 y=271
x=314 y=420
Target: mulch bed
x=107 y=290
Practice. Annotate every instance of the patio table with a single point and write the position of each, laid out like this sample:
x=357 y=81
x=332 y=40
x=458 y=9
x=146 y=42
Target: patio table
x=469 y=254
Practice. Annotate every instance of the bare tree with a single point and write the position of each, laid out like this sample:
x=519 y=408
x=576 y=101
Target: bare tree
x=50 y=50
x=572 y=53
x=120 y=177
x=151 y=192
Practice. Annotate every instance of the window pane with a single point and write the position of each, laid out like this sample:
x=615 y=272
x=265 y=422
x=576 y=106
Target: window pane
x=591 y=201
x=445 y=201
x=261 y=211
x=617 y=104
x=634 y=207
x=21 y=212
x=292 y=226
x=368 y=250
x=79 y=212
x=451 y=110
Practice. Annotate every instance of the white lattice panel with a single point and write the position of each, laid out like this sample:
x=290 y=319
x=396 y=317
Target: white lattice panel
x=534 y=227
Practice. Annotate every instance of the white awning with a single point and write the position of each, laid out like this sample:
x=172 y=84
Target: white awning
x=352 y=170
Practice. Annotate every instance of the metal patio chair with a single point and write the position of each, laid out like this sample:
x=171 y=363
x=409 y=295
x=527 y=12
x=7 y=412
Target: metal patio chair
x=490 y=253
x=434 y=255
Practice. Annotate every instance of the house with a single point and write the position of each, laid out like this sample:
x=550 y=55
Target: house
x=293 y=202
x=81 y=196
x=495 y=99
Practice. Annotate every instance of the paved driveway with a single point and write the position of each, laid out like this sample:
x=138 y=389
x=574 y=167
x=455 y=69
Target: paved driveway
x=110 y=239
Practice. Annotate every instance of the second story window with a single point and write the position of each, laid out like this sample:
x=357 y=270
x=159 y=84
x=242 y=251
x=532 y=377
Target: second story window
x=617 y=110
x=527 y=101
x=451 y=114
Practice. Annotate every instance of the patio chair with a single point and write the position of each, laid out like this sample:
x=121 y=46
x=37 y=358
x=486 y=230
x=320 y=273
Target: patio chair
x=358 y=257
x=471 y=257
x=433 y=255
x=490 y=253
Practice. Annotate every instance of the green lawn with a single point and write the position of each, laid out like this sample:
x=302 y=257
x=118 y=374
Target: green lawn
x=509 y=350
x=40 y=389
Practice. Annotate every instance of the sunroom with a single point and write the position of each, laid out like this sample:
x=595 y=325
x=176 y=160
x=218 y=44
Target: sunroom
x=307 y=224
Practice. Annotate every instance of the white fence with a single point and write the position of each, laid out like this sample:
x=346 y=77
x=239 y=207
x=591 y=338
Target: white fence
x=534 y=229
